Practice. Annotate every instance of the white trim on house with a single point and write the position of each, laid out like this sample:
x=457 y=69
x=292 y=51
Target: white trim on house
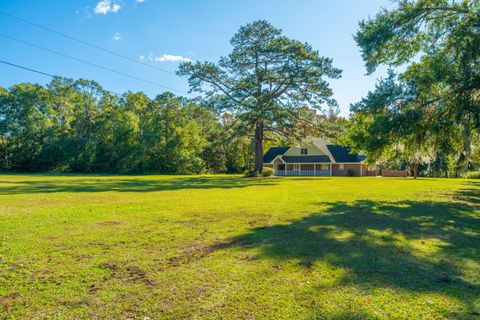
x=304 y=172
x=321 y=144
x=279 y=157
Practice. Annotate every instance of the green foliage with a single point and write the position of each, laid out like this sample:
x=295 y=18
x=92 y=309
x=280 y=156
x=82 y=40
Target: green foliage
x=267 y=172
x=250 y=173
x=472 y=175
x=432 y=108
x=76 y=126
x=351 y=173
x=266 y=82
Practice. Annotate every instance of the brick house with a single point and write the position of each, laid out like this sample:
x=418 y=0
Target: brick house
x=317 y=157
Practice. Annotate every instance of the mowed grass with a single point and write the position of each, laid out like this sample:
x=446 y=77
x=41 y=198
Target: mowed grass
x=228 y=247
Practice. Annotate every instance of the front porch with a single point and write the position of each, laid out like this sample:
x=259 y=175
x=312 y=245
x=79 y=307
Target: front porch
x=303 y=169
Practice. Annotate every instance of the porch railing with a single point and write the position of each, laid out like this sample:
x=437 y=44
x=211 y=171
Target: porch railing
x=323 y=173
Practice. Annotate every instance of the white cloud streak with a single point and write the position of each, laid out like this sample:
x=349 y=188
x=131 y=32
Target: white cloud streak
x=163 y=58
x=107 y=6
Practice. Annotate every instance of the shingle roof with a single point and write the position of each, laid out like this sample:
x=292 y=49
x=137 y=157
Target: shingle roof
x=273 y=152
x=306 y=159
x=342 y=154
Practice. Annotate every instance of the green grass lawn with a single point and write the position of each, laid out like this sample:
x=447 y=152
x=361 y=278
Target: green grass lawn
x=235 y=248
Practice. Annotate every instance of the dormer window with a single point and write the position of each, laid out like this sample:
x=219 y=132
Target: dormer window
x=304 y=151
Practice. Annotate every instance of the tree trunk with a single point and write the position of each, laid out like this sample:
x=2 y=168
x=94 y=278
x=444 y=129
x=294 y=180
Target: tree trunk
x=414 y=170
x=167 y=141
x=258 y=146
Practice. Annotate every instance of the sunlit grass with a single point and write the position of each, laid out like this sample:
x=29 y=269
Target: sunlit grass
x=230 y=247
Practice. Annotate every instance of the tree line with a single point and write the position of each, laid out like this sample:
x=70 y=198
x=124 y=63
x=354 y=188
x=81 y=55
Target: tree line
x=270 y=90
x=426 y=112
x=77 y=126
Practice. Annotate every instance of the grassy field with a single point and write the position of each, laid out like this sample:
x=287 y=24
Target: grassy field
x=228 y=247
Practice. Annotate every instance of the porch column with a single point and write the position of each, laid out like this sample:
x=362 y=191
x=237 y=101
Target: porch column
x=331 y=171
x=314 y=169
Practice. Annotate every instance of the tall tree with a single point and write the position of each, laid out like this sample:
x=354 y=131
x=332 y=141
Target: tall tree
x=265 y=82
x=437 y=41
x=25 y=122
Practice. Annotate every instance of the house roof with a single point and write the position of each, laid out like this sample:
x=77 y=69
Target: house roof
x=306 y=159
x=342 y=154
x=333 y=153
x=273 y=152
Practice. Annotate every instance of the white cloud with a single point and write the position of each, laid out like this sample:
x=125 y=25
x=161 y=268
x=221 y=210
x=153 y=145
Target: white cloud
x=171 y=58
x=107 y=6
x=117 y=36
x=139 y=1
x=163 y=58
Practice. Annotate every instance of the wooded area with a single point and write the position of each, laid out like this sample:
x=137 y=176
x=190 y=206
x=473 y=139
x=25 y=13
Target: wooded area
x=424 y=116
x=76 y=126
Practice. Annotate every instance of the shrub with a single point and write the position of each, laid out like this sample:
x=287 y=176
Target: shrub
x=267 y=172
x=351 y=173
x=250 y=173
x=472 y=175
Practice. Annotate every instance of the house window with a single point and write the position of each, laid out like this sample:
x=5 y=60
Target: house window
x=304 y=151
x=341 y=167
x=324 y=167
x=296 y=167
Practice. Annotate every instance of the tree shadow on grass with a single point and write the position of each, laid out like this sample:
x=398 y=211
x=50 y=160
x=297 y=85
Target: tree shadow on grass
x=97 y=184
x=418 y=246
x=470 y=194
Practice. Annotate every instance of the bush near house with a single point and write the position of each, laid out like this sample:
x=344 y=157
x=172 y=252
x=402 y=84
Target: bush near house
x=250 y=173
x=267 y=172
x=351 y=173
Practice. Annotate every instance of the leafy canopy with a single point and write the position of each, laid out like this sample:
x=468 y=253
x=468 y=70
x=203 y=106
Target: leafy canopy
x=438 y=95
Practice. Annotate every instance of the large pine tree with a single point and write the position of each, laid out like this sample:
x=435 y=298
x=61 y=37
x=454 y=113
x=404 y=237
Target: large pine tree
x=265 y=82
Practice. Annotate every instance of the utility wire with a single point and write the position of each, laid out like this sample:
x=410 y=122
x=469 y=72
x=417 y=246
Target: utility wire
x=84 y=42
x=26 y=68
x=90 y=63
x=43 y=73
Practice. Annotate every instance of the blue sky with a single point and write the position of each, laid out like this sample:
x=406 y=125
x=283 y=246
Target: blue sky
x=163 y=32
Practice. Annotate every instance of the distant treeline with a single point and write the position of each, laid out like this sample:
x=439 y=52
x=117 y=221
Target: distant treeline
x=77 y=126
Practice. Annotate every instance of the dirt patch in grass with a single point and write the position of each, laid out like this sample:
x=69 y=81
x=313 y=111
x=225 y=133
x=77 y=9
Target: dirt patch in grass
x=137 y=274
x=128 y=273
x=112 y=267
x=108 y=223
x=9 y=300
x=195 y=251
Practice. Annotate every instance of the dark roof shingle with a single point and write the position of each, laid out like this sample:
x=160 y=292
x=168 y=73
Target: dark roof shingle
x=342 y=154
x=273 y=152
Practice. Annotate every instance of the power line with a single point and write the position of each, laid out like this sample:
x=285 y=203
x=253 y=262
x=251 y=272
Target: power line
x=42 y=73
x=85 y=42
x=26 y=68
x=90 y=63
